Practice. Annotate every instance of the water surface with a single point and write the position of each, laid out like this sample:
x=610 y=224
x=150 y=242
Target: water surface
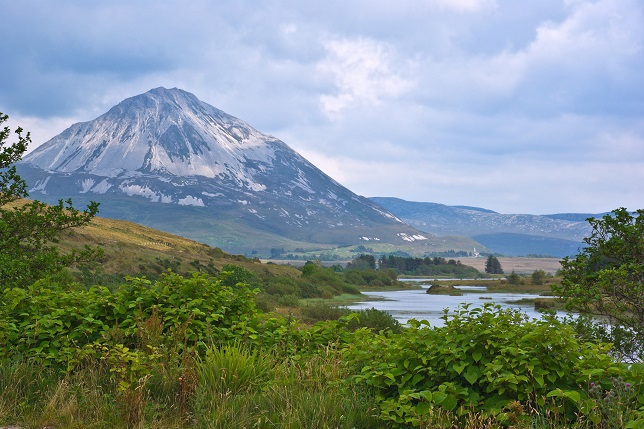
x=418 y=304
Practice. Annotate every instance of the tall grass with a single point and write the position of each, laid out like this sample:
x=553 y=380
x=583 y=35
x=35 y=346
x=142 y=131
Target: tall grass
x=34 y=396
x=235 y=387
x=240 y=389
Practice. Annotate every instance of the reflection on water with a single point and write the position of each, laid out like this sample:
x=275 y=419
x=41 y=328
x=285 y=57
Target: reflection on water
x=417 y=304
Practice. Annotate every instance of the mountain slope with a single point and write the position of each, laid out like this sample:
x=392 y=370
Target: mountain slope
x=186 y=167
x=510 y=234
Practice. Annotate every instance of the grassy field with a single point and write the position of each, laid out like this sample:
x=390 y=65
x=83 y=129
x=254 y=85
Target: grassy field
x=135 y=250
x=520 y=265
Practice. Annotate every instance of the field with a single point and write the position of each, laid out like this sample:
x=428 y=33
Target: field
x=520 y=265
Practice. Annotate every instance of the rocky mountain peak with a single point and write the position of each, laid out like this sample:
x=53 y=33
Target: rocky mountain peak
x=167 y=146
x=168 y=131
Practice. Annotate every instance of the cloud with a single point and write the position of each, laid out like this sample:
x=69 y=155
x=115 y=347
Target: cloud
x=363 y=72
x=514 y=105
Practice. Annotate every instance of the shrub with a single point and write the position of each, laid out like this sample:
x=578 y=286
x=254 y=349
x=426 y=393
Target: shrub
x=482 y=360
x=377 y=320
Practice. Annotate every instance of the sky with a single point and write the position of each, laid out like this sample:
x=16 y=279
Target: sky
x=517 y=106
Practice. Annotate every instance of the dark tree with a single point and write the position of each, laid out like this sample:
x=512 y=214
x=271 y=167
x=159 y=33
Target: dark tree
x=362 y=262
x=493 y=266
x=29 y=229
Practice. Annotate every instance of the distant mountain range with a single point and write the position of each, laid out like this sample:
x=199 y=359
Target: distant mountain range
x=167 y=160
x=508 y=234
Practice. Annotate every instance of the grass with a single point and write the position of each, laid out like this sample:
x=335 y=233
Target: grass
x=234 y=388
x=237 y=388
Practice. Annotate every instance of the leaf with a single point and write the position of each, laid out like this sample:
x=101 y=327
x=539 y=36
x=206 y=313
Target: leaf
x=557 y=392
x=439 y=397
x=427 y=395
x=417 y=378
x=449 y=403
x=459 y=368
x=472 y=374
x=573 y=395
x=477 y=355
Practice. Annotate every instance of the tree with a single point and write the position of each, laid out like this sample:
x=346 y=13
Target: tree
x=493 y=266
x=538 y=277
x=362 y=262
x=514 y=278
x=607 y=278
x=29 y=229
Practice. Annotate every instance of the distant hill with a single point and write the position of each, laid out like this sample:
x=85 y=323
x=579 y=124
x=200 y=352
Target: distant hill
x=555 y=235
x=166 y=159
x=528 y=245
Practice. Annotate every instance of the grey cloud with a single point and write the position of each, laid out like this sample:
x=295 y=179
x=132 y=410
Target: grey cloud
x=450 y=96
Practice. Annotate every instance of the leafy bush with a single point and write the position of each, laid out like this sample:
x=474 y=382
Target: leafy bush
x=51 y=323
x=482 y=360
x=318 y=312
x=376 y=320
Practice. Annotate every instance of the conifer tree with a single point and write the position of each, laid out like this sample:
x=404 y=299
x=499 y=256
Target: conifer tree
x=493 y=266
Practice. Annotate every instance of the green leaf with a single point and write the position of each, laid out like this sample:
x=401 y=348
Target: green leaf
x=472 y=374
x=460 y=367
x=439 y=397
x=573 y=395
x=449 y=403
x=417 y=379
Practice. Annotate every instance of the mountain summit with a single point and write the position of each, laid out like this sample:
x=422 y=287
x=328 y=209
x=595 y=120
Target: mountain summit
x=168 y=160
x=162 y=132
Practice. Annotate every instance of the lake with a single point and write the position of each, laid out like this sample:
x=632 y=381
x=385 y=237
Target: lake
x=417 y=304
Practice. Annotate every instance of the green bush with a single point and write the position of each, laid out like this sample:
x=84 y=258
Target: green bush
x=377 y=320
x=482 y=360
x=318 y=312
x=51 y=323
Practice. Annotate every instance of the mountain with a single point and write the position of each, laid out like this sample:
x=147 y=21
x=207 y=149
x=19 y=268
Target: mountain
x=167 y=160
x=509 y=234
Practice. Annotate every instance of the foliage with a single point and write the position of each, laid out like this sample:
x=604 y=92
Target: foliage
x=371 y=318
x=291 y=393
x=607 y=278
x=193 y=352
x=232 y=369
x=493 y=266
x=482 y=360
x=27 y=231
x=231 y=275
x=51 y=323
x=538 y=277
x=11 y=186
x=514 y=279
x=362 y=262
x=436 y=266
x=373 y=278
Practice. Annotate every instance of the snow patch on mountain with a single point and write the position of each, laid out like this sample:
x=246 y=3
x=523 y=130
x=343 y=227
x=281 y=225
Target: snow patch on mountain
x=102 y=187
x=191 y=201
x=41 y=185
x=146 y=192
x=86 y=185
x=412 y=237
